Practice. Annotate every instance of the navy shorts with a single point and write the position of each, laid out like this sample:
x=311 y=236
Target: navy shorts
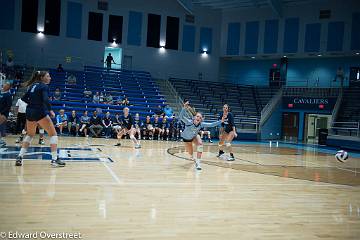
x=35 y=114
x=188 y=140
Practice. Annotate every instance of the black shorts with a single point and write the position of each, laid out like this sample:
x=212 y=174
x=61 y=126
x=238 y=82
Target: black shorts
x=188 y=140
x=228 y=130
x=35 y=114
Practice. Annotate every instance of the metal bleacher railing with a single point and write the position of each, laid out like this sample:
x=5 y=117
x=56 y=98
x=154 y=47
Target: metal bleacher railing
x=345 y=129
x=270 y=107
x=250 y=123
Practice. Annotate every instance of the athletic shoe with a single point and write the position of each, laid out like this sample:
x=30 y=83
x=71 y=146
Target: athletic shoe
x=220 y=154
x=231 y=158
x=19 y=140
x=18 y=161
x=41 y=141
x=197 y=165
x=117 y=145
x=137 y=146
x=57 y=163
x=210 y=141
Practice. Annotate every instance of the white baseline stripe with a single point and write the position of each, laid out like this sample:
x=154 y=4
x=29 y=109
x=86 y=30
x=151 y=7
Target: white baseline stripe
x=179 y=184
x=115 y=177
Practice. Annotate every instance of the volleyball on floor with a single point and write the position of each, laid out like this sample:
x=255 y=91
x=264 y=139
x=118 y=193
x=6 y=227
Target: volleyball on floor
x=341 y=156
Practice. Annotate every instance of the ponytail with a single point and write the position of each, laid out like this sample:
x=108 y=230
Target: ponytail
x=36 y=77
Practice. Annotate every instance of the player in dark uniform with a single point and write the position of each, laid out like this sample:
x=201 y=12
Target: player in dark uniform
x=37 y=98
x=157 y=127
x=128 y=128
x=165 y=128
x=148 y=128
x=227 y=132
x=138 y=124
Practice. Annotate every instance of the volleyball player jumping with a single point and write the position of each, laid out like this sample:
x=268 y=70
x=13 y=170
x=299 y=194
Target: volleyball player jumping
x=37 y=98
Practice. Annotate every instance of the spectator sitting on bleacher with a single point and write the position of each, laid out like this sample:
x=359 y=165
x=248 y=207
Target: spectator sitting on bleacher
x=73 y=123
x=138 y=124
x=125 y=102
x=168 y=111
x=159 y=111
x=57 y=94
x=117 y=123
x=96 y=98
x=9 y=62
x=87 y=93
x=158 y=127
x=95 y=125
x=107 y=123
x=148 y=129
x=165 y=129
x=108 y=98
x=173 y=130
x=59 y=68
x=71 y=80
x=117 y=101
x=102 y=97
x=61 y=121
x=85 y=123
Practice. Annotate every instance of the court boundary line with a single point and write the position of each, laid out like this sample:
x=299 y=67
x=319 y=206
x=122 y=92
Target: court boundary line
x=112 y=173
x=210 y=163
x=315 y=184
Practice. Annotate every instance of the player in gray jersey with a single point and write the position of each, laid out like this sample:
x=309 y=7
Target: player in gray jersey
x=190 y=134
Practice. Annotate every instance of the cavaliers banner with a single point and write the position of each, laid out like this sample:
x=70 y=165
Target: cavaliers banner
x=306 y=103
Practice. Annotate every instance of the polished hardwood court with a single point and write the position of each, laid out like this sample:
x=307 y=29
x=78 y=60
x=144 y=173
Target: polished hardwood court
x=107 y=192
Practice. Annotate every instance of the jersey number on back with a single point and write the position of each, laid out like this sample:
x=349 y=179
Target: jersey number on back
x=33 y=88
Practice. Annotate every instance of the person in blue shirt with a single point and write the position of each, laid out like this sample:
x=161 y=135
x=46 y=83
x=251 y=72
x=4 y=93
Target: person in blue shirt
x=168 y=111
x=61 y=121
x=85 y=123
x=37 y=98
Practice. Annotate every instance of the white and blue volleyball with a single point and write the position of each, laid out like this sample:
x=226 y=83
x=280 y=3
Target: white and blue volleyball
x=341 y=156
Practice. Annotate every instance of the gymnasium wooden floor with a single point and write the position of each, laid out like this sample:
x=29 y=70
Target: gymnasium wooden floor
x=155 y=193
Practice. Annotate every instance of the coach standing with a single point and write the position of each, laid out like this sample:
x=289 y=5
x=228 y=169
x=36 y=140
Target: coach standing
x=5 y=105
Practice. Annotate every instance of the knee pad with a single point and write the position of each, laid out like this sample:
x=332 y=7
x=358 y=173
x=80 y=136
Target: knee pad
x=28 y=139
x=41 y=131
x=53 y=140
x=200 y=148
x=228 y=144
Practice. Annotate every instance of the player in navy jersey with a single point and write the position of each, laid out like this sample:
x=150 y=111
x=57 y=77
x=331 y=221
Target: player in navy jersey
x=165 y=128
x=128 y=128
x=157 y=127
x=227 y=132
x=148 y=128
x=138 y=124
x=37 y=98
